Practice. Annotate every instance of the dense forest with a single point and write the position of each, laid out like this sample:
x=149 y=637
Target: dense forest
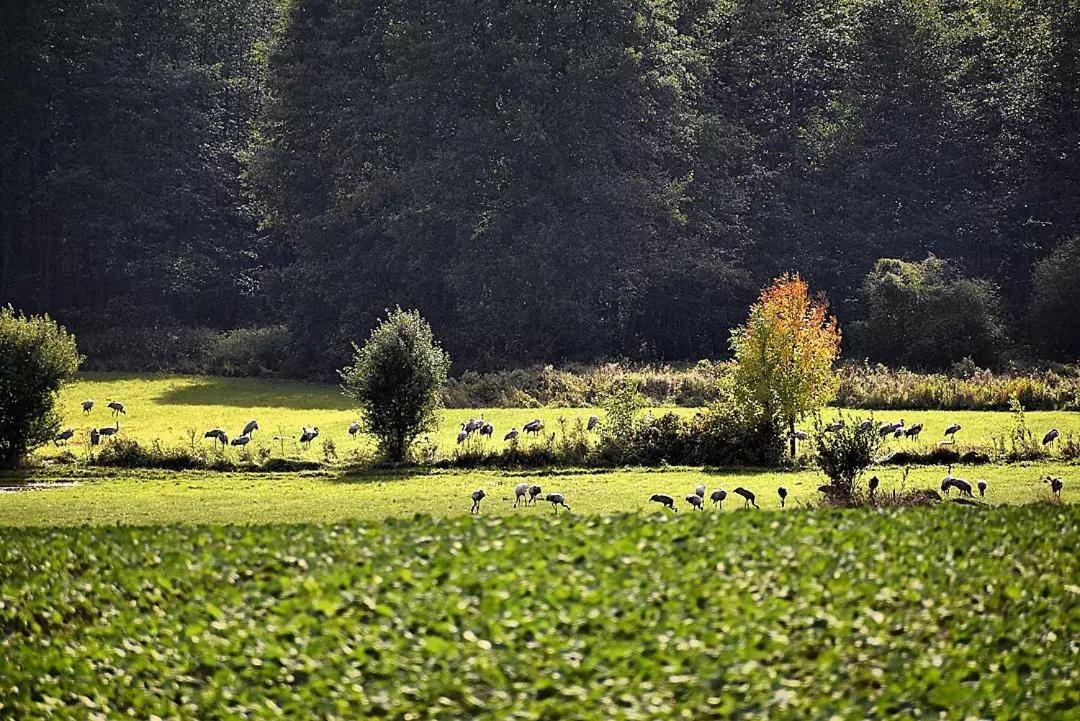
x=545 y=180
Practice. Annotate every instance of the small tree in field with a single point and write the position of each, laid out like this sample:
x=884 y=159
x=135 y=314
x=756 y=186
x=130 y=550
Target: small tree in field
x=37 y=357
x=784 y=354
x=398 y=377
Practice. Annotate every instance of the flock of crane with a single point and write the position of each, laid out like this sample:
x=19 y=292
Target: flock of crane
x=529 y=494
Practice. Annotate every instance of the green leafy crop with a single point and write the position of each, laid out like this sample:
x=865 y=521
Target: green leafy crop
x=945 y=613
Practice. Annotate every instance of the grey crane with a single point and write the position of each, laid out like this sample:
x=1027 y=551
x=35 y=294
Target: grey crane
x=664 y=500
x=242 y=440
x=65 y=436
x=95 y=436
x=946 y=482
x=1051 y=436
x=534 y=426
x=108 y=431
x=695 y=501
x=308 y=435
x=914 y=431
x=982 y=488
x=556 y=500
x=487 y=430
x=718 y=496
x=117 y=408
x=477 y=496
x=873 y=484
x=594 y=421
x=215 y=433
x=782 y=492
x=700 y=491
x=511 y=434
x=750 y=498
x=354 y=428
x=866 y=425
x=521 y=490
x=250 y=428
x=463 y=434
x=1056 y=485
x=87 y=406
x=534 y=493
x=952 y=430
x=963 y=486
x=890 y=428
x=834 y=426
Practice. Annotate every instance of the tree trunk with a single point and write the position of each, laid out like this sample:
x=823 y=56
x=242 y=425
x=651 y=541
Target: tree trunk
x=791 y=436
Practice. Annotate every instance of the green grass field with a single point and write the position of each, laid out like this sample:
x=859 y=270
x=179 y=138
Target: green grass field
x=171 y=408
x=147 y=497
x=919 y=613
x=164 y=407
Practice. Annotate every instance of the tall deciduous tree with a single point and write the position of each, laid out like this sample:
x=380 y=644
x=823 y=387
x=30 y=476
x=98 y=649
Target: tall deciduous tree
x=785 y=354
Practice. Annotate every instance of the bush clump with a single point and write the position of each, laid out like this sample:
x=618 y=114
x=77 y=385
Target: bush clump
x=397 y=378
x=37 y=357
x=843 y=453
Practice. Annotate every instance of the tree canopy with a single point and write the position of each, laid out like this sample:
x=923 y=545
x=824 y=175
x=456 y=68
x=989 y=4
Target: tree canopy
x=544 y=181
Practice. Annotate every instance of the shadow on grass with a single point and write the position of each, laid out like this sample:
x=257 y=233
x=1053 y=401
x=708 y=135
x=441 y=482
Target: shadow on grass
x=256 y=393
x=361 y=475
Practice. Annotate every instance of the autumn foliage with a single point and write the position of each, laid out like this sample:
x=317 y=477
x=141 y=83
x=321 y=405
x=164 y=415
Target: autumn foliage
x=785 y=353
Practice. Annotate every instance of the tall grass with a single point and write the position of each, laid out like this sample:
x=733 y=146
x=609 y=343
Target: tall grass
x=865 y=386
x=861 y=386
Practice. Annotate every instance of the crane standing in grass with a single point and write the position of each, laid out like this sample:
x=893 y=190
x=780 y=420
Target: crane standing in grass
x=664 y=500
x=749 y=497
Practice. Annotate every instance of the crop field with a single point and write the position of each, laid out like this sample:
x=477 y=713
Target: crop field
x=177 y=410
x=916 y=613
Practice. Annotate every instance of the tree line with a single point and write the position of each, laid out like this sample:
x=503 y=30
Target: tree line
x=545 y=181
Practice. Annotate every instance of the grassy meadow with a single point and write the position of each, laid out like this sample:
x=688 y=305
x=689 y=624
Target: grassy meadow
x=152 y=497
x=171 y=408
x=174 y=409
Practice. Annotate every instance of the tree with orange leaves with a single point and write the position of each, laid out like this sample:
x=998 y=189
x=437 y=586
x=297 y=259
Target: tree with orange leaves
x=785 y=353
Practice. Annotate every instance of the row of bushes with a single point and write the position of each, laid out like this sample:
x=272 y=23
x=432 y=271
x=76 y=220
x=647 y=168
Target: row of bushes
x=709 y=438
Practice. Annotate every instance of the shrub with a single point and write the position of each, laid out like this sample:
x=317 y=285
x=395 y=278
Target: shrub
x=397 y=377
x=1055 y=296
x=37 y=356
x=784 y=355
x=621 y=406
x=844 y=454
x=926 y=315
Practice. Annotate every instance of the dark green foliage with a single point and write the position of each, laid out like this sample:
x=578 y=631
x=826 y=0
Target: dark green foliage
x=120 y=198
x=918 y=613
x=545 y=181
x=926 y=315
x=844 y=454
x=398 y=377
x=37 y=357
x=1055 y=303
